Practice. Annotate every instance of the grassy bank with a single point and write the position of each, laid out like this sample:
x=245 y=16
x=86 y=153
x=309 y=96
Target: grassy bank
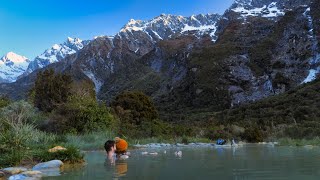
x=91 y=141
x=299 y=142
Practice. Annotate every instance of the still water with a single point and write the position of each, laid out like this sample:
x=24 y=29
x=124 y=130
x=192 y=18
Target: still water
x=247 y=162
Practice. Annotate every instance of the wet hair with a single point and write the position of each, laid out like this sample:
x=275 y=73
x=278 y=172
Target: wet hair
x=108 y=145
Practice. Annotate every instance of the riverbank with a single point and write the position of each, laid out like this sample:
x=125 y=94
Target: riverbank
x=299 y=142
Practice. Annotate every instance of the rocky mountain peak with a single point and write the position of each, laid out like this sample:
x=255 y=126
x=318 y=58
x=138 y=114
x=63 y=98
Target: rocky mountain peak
x=13 y=57
x=165 y=26
x=56 y=53
x=266 y=8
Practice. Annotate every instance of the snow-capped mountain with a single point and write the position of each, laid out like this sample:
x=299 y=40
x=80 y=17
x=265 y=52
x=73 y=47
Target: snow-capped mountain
x=166 y=26
x=11 y=66
x=265 y=8
x=56 y=53
x=137 y=38
x=256 y=49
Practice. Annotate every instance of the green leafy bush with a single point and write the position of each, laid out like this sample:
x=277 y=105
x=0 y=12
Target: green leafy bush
x=252 y=135
x=4 y=101
x=51 y=89
x=80 y=115
x=137 y=105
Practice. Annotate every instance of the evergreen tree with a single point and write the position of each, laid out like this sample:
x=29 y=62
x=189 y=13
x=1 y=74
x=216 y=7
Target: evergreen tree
x=139 y=106
x=51 y=89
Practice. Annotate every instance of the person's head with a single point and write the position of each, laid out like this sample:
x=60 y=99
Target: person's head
x=121 y=145
x=110 y=146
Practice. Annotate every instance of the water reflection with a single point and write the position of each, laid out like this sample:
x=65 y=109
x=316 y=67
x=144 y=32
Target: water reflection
x=119 y=168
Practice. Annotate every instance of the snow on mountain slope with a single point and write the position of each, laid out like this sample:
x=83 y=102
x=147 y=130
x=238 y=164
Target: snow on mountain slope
x=268 y=11
x=166 y=26
x=56 y=53
x=11 y=66
x=266 y=8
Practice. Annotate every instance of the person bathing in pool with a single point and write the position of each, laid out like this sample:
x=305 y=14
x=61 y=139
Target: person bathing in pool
x=121 y=148
x=110 y=147
x=117 y=149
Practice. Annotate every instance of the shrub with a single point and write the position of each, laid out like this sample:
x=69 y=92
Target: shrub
x=4 y=101
x=50 y=90
x=19 y=112
x=252 y=135
x=81 y=115
x=184 y=140
x=137 y=105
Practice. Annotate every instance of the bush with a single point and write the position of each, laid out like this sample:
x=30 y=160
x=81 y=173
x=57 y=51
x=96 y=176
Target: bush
x=252 y=135
x=81 y=115
x=19 y=112
x=50 y=90
x=17 y=125
x=4 y=101
x=137 y=105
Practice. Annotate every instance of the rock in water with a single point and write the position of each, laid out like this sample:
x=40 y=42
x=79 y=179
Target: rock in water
x=32 y=173
x=2 y=174
x=15 y=170
x=144 y=153
x=48 y=165
x=50 y=168
x=178 y=153
x=19 y=177
x=27 y=175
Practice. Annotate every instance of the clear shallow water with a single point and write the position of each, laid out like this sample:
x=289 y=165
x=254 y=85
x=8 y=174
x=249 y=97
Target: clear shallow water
x=248 y=162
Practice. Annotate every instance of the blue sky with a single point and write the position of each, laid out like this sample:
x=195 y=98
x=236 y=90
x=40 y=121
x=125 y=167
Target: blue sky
x=28 y=27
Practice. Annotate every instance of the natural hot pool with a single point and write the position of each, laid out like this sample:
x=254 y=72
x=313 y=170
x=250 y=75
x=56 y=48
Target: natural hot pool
x=247 y=162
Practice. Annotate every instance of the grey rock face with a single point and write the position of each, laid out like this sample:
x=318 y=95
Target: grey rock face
x=106 y=55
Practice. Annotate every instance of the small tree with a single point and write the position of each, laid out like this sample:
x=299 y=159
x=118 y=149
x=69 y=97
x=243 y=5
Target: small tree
x=4 y=101
x=51 y=89
x=81 y=115
x=139 y=106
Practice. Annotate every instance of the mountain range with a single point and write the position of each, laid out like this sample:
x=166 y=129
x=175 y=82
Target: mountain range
x=256 y=49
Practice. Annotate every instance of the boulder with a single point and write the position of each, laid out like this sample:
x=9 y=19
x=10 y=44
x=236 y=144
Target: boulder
x=32 y=173
x=57 y=148
x=18 y=177
x=27 y=175
x=15 y=170
x=48 y=165
x=50 y=168
x=2 y=174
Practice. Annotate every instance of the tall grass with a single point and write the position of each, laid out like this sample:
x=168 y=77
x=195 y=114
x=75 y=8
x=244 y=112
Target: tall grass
x=91 y=141
x=20 y=140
